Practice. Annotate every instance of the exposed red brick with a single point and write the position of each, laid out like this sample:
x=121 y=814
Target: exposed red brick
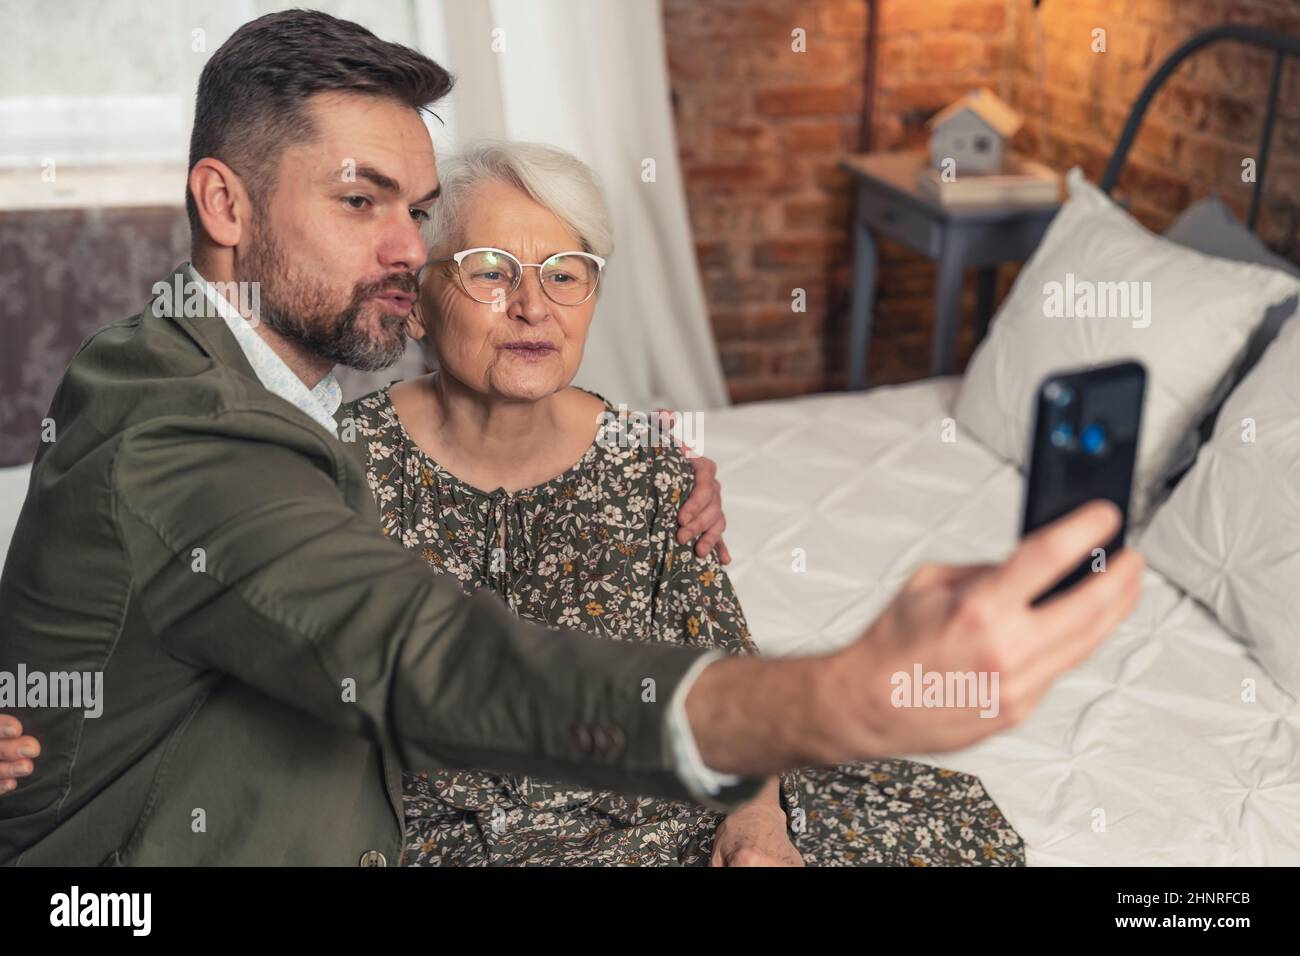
x=780 y=253
x=951 y=51
x=817 y=214
x=760 y=128
x=910 y=16
x=816 y=138
x=980 y=17
x=741 y=358
x=808 y=100
x=744 y=138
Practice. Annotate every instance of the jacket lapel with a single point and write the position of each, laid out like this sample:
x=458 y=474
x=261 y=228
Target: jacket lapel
x=210 y=332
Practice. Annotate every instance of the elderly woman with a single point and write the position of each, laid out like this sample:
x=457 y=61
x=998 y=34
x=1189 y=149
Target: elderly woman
x=499 y=472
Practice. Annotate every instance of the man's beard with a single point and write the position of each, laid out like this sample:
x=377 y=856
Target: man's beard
x=299 y=310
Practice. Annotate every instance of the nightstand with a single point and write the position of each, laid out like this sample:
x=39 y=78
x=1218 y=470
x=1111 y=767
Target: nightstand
x=890 y=204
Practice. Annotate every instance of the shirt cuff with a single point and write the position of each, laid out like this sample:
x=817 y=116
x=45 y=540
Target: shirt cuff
x=703 y=783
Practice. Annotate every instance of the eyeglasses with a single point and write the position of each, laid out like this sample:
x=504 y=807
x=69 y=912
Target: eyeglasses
x=492 y=275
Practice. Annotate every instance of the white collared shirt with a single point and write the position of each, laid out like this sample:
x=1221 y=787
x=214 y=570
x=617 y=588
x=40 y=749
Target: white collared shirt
x=319 y=403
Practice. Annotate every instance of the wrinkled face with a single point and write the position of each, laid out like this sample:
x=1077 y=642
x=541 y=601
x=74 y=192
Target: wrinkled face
x=526 y=347
x=336 y=246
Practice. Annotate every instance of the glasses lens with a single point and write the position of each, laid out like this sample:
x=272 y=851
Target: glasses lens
x=489 y=276
x=570 y=279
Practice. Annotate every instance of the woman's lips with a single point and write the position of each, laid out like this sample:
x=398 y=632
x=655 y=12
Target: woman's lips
x=529 y=350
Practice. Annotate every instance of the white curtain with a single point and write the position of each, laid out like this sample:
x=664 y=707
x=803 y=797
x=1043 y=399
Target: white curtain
x=590 y=76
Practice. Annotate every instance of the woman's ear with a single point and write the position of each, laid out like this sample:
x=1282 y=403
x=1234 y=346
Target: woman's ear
x=415 y=323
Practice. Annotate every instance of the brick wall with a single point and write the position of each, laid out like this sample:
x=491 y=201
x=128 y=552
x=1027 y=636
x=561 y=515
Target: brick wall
x=761 y=127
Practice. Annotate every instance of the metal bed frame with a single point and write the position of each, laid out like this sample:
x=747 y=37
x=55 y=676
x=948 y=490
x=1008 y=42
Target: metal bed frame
x=1282 y=47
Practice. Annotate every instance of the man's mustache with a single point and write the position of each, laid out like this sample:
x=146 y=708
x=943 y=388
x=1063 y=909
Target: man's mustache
x=397 y=282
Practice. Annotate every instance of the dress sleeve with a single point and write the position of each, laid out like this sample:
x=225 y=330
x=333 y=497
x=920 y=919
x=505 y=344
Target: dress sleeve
x=694 y=602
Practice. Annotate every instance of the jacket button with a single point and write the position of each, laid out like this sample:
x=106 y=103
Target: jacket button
x=617 y=741
x=582 y=738
x=608 y=741
x=373 y=858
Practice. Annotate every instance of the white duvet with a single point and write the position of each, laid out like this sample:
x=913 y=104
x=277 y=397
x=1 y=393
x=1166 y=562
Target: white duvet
x=1145 y=755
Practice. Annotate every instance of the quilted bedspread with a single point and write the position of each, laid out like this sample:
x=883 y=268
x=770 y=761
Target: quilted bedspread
x=1149 y=753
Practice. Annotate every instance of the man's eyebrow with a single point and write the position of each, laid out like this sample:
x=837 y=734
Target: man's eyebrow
x=391 y=185
x=386 y=183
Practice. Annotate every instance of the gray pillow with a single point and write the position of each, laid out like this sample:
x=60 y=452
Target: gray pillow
x=1209 y=226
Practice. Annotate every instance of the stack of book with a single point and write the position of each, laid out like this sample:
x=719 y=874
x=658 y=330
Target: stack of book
x=1022 y=182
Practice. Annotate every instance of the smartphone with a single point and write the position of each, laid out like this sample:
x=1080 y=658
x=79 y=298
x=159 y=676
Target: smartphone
x=1083 y=446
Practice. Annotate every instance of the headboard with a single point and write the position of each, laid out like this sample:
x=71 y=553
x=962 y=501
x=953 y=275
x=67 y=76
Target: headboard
x=1282 y=47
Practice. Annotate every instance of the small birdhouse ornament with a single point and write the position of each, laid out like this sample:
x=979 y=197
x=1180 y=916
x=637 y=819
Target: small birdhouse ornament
x=970 y=136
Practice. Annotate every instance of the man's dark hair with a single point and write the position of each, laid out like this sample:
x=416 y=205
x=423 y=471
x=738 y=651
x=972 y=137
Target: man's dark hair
x=252 y=96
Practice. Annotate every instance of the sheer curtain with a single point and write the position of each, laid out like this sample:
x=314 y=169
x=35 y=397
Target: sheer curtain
x=590 y=77
x=586 y=75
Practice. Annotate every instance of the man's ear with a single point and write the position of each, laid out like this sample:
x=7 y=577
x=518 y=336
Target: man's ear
x=222 y=201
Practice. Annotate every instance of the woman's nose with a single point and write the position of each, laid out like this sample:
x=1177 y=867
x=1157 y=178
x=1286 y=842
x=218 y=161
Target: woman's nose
x=529 y=301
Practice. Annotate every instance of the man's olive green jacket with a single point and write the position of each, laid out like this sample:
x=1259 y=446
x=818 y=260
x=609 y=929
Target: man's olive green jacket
x=270 y=660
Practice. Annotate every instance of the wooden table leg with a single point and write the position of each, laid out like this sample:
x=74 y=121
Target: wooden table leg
x=864 y=300
x=986 y=291
x=947 y=303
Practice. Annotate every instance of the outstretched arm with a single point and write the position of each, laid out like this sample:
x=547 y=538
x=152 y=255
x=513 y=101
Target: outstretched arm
x=761 y=717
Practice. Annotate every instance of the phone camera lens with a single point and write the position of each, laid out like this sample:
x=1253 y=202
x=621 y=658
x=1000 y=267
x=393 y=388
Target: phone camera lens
x=1093 y=438
x=1063 y=435
x=1058 y=395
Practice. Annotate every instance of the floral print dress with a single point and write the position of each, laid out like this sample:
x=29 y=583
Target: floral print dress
x=595 y=549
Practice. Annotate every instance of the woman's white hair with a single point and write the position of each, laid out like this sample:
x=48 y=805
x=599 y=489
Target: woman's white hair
x=553 y=178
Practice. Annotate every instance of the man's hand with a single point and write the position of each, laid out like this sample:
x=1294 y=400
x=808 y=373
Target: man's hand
x=16 y=753
x=755 y=835
x=760 y=717
x=700 y=516
x=978 y=619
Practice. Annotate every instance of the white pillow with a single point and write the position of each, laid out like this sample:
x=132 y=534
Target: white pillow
x=1229 y=535
x=1184 y=315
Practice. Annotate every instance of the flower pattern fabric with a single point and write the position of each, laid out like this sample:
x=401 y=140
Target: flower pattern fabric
x=595 y=549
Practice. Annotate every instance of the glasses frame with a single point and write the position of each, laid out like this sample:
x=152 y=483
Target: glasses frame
x=457 y=257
